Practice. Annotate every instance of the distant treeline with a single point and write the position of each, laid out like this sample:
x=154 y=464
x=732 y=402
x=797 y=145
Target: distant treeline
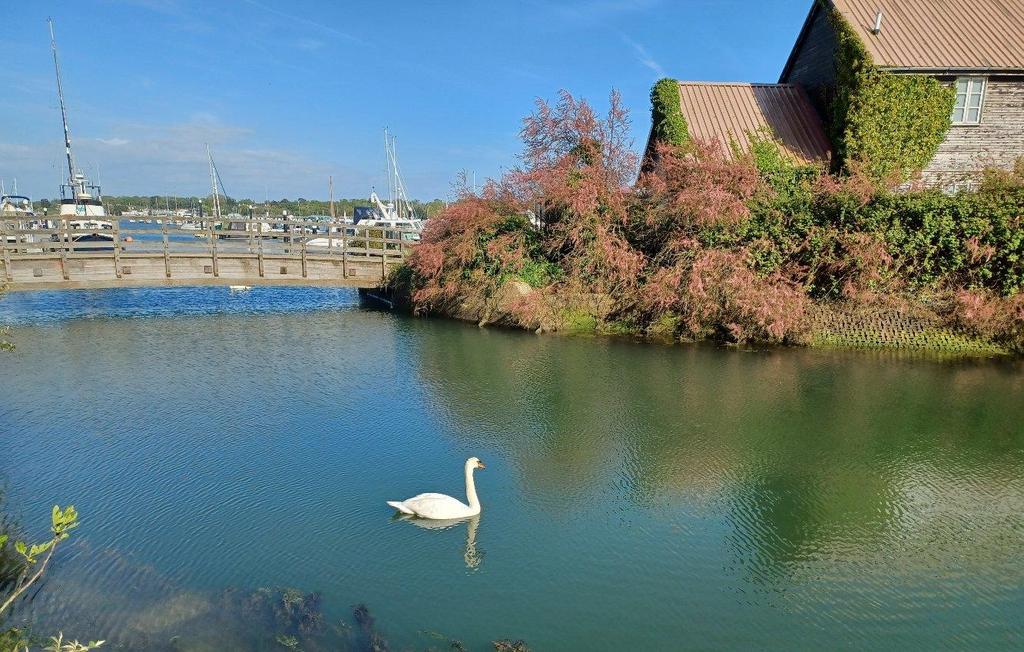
x=300 y=207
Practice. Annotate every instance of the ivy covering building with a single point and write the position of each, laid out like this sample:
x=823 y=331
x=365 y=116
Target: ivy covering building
x=902 y=89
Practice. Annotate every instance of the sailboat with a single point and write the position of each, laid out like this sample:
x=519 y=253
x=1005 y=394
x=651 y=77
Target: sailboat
x=17 y=211
x=397 y=212
x=79 y=199
x=396 y=218
x=15 y=206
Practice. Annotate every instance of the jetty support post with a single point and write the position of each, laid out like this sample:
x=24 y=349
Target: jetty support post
x=259 y=252
x=167 y=252
x=64 y=244
x=117 y=247
x=6 y=254
x=213 y=249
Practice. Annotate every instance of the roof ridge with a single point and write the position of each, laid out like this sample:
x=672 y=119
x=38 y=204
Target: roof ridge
x=727 y=83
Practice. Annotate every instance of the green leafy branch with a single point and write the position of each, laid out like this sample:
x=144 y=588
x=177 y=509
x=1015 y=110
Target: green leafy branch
x=57 y=644
x=62 y=522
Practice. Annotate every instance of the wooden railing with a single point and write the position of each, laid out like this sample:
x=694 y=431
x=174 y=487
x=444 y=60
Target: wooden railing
x=242 y=251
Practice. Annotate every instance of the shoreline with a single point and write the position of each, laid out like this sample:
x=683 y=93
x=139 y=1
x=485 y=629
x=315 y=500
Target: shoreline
x=831 y=326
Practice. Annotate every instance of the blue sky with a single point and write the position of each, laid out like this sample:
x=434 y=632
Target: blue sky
x=288 y=92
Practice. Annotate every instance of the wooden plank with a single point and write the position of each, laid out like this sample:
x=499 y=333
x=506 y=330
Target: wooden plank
x=344 y=252
x=132 y=281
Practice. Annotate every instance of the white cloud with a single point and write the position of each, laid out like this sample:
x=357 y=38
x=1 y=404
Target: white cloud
x=307 y=22
x=113 y=142
x=644 y=57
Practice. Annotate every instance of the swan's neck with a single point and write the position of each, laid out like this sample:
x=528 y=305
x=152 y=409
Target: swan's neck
x=474 y=502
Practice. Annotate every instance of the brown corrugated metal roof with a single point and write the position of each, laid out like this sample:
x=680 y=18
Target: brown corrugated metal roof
x=941 y=34
x=731 y=112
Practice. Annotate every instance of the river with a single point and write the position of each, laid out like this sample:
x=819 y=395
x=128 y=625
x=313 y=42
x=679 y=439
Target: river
x=636 y=496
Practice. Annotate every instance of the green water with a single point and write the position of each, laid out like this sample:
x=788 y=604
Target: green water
x=636 y=497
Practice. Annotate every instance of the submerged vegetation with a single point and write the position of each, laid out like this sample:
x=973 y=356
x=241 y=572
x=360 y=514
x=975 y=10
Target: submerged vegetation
x=260 y=619
x=18 y=573
x=747 y=247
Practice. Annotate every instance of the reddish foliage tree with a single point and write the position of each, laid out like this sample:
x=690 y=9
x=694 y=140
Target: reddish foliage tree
x=701 y=187
x=998 y=318
x=465 y=249
x=580 y=169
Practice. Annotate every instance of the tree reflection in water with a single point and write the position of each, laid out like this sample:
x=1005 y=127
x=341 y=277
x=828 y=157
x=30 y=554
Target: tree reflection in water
x=808 y=455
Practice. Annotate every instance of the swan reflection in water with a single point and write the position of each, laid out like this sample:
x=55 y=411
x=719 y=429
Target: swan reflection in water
x=471 y=555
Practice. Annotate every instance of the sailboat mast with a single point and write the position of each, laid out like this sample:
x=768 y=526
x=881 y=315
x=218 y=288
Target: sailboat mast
x=387 y=156
x=398 y=181
x=63 y=109
x=213 y=183
x=330 y=184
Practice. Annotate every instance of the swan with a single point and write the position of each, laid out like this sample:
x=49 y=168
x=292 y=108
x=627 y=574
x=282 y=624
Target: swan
x=440 y=506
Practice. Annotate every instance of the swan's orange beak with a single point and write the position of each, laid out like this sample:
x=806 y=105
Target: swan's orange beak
x=480 y=465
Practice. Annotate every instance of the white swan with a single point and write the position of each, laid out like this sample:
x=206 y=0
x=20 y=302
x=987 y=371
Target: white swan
x=440 y=506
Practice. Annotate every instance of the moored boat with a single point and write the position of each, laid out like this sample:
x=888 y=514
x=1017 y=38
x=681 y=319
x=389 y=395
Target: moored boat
x=81 y=202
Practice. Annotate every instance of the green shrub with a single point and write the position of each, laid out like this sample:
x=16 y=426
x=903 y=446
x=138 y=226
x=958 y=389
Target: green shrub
x=668 y=125
x=968 y=239
x=539 y=273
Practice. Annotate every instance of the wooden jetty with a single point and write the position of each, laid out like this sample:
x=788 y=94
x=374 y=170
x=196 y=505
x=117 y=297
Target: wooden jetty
x=246 y=251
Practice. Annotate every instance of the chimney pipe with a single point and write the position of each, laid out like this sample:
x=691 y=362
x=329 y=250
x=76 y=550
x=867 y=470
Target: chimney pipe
x=878 y=23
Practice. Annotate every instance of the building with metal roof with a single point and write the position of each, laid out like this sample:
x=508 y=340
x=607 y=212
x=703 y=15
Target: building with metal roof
x=977 y=47
x=733 y=113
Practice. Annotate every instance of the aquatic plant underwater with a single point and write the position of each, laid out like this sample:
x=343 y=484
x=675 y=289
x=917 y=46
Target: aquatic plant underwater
x=260 y=619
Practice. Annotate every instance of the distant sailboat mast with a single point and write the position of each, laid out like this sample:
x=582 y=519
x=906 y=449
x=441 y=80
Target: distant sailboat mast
x=78 y=185
x=398 y=200
x=330 y=183
x=213 y=182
